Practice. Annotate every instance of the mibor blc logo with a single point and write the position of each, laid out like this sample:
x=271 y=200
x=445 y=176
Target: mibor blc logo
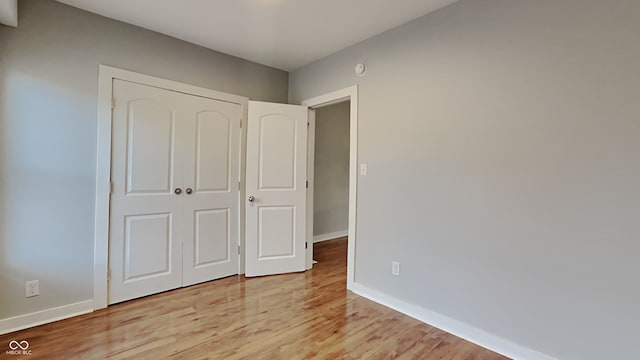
x=18 y=348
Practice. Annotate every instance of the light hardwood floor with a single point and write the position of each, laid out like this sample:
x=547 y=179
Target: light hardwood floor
x=296 y=316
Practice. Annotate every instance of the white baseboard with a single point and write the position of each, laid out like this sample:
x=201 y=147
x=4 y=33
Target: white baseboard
x=330 y=236
x=22 y=322
x=455 y=327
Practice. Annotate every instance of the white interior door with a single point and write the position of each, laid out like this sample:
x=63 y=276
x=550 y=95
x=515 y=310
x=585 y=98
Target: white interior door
x=174 y=217
x=276 y=188
x=211 y=200
x=145 y=247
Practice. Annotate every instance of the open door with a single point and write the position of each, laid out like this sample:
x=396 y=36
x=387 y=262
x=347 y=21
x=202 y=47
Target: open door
x=276 y=189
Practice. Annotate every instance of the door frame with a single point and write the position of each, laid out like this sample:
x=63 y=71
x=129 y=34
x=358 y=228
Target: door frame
x=347 y=94
x=106 y=75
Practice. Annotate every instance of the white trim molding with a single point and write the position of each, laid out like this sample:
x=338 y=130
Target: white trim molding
x=452 y=326
x=106 y=75
x=311 y=153
x=348 y=94
x=26 y=321
x=330 y=236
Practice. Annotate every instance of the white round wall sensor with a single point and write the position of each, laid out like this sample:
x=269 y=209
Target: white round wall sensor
x=361 y=69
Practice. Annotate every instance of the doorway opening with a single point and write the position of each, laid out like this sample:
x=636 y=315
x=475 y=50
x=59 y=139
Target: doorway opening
x=337 y=158
x=330 y=167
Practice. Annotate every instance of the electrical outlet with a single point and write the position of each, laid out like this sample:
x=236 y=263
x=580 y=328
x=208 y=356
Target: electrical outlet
x=32 y=288
x=395 y=268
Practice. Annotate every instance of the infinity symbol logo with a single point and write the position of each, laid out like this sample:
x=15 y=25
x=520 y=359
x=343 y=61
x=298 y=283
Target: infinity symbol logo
x=23 y=345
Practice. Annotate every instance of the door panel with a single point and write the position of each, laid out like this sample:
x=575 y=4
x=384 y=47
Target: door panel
x=144 y=232
x=145 y=244
x=213 y=151
x=276 y=176
x=276 y=229
x=150 y=139
x=212 y=241
x=277 y=152
x=212 y=171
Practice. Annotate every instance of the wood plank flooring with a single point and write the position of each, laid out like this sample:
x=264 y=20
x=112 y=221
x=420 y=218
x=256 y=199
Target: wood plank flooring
x=296 y=316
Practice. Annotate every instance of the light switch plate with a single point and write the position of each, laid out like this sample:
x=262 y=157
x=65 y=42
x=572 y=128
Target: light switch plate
x=395 y=268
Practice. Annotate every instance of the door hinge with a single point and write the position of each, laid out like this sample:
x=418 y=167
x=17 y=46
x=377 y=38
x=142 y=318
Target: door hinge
x=113 y=103
x=240 y=124
x=239 y=186
x=307 y=184
x=238 y=249
x=306 y=245
x=308 y=124
x=110 y=187
x=109 y=275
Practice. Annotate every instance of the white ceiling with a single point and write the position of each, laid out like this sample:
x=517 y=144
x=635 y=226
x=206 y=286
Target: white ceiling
x=285 y=34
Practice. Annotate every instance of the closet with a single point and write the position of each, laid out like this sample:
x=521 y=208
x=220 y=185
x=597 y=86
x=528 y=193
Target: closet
x=174 y=211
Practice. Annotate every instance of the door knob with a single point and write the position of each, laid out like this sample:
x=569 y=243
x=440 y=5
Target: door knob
x=178 y=191
x=252 y=199
x=188 y=191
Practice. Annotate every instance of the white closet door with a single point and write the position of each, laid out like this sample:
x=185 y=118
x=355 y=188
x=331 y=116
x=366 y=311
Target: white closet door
x=175 y=202
x=145 y=246
x=211 y=200
x=276 y=191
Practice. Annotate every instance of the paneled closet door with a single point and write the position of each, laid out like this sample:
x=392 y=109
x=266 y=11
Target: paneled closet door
x=145 y=237
x=211 y=200
x=175 y=201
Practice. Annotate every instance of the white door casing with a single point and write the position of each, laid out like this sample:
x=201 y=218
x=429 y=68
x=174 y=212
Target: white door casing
x=311 y=141
x=276 y=182
x=174 y=207
x=347 y=94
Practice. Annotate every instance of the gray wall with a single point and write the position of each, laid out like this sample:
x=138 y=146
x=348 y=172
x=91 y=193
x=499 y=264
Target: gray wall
x=503 y=147
x=48 y=117
x=331 y=170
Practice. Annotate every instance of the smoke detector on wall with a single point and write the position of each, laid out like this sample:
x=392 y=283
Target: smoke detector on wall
x=361 y=68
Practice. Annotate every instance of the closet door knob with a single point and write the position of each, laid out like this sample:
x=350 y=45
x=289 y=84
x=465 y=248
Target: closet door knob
x=178 y=191
x=252 y=199
x=188 y=191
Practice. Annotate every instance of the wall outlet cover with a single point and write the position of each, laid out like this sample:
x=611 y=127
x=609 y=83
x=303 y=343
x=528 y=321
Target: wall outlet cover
x=32 y=288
